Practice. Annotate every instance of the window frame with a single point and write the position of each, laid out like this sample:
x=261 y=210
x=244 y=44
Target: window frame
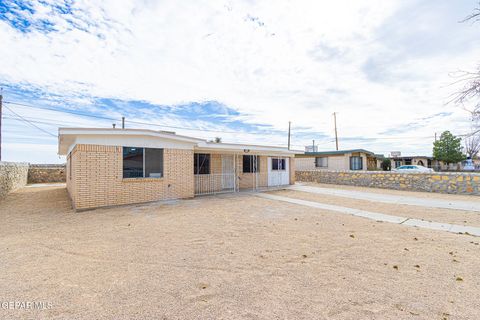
x=316 y=162
x=254 y=164
x=279 y=161
x=361 y=163
x=143 y=163
x=196 y=168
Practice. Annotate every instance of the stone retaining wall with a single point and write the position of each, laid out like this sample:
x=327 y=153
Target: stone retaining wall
x=458 y=183
x=46 y=173
x=13 y=176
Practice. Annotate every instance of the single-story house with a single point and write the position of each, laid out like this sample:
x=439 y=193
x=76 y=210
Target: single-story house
x=424 y=161
x=356 y=159
x=108 y=167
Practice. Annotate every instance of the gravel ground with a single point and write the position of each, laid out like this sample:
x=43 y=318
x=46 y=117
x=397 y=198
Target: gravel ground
x=459 y=217
x=227 y=257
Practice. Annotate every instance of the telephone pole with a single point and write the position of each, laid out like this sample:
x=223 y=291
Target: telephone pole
x=336 y=135
x=289 y=123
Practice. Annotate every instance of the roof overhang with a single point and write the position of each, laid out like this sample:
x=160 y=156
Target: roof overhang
x=243 y=149
x=68 y=137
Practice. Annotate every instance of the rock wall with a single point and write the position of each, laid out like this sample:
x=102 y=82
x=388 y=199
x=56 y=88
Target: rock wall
x=457 y=183
x=46 y=173
x=13 y=176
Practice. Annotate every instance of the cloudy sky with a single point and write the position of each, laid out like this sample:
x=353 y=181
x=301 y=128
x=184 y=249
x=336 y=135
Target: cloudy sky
x=239 y=70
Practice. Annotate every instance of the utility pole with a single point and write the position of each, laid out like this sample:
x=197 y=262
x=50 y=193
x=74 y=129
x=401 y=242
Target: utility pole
x=1 y=100
x=313 y=145
x=289 y=123
x=336 y=135
x=123 y=122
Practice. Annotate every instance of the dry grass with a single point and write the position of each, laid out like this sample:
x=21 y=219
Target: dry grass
x=228 y=257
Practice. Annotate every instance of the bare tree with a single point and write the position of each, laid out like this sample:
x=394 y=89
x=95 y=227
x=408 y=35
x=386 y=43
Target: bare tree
x=472 y=145
x=470 y=92
x=475 y=16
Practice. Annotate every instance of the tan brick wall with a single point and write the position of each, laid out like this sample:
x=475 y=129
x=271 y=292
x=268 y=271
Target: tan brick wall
x=292 y=170
x=97 y=178
x=248 y=180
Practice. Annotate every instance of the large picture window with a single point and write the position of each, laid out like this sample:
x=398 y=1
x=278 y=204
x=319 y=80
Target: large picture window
x=142 y=162
x=251 y=164
x=321 y=162
x=201 y=163
x=356 y=163
x=278 y=164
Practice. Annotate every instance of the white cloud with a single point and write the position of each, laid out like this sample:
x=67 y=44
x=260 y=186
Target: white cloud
x=273 y=61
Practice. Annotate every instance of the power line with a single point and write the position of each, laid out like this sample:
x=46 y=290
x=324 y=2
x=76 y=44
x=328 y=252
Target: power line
x=130 y=121
x=32 y=124
x=366 y=139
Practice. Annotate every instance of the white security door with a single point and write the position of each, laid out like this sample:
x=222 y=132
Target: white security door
x=278 y=171
x=228 y=172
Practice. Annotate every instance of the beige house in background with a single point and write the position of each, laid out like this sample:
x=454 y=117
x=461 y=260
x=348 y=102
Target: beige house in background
x=424 y=161
x=356 y=159
x=108 y=167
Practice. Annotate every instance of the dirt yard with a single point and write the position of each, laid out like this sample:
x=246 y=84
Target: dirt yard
x=228 y=257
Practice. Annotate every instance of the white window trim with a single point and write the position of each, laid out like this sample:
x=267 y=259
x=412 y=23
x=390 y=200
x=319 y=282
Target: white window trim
x=143 y=164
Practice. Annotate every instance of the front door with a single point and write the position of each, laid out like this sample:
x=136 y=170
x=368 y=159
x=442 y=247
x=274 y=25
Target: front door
x=228 y=172
x=278 y=171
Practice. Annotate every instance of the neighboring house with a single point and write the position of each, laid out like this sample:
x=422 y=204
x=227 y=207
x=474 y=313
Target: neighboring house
x=108 y=167
x=424 y=161
x=357 y=159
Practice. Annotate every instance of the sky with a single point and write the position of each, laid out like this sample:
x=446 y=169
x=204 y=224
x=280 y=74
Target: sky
x=239 y=70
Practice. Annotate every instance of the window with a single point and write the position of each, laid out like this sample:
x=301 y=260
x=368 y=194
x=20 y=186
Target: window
x=250 y=164
x=408 y=161
x=142 y=162
x=321 y=162
x=278 y=164
x=398 y=163
x=356 y=163
x=201 y=163
x=153 y=163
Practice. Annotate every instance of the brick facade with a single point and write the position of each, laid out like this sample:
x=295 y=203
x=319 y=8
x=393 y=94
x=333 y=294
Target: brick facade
x=94 y=175
x=95 y=178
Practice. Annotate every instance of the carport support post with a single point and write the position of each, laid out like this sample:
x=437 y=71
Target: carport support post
x=235 y=173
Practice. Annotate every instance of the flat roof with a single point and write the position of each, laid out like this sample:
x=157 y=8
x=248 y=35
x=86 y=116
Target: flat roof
x=67 y=138
x=334 y=152
x=411 y=157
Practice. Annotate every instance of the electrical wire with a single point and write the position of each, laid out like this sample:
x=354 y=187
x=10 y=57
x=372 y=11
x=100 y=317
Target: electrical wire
x=30 y=123
x=135 y=122
x=359 y=140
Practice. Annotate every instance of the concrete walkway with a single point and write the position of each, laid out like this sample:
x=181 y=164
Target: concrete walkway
x=379 y=216
x=390 y=198
x=43 y=185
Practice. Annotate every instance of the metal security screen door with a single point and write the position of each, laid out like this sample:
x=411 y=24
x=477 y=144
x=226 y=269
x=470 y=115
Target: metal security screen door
x=278 y=171
x=218 y=176
x=228 y=172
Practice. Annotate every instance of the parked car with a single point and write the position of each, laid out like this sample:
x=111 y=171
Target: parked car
x=413 y=169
